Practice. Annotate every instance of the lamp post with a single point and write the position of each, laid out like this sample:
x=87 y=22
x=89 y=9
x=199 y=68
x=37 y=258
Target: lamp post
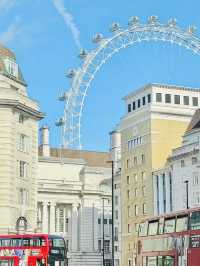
x=113 y=255
x=187 y=194
x=103 y=250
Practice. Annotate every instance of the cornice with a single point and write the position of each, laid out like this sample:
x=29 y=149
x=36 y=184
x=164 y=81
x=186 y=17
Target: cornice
x=22 y=107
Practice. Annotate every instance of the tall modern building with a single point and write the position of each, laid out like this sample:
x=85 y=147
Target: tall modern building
x=157 y=117
x=19 y=116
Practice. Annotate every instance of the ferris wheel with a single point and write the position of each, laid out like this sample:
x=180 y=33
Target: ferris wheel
x=92 y=62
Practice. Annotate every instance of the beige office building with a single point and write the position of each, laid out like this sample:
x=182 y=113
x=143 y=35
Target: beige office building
x=157 y=116
x=19 y=117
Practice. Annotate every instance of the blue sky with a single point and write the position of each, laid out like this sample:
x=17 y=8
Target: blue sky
x=46 y=36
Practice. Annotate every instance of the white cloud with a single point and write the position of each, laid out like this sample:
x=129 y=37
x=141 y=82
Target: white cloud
x=69 y=20
x=10 y=33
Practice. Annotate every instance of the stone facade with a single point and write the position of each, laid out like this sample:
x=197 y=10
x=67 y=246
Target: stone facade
x=19 y=117
x=182 y=167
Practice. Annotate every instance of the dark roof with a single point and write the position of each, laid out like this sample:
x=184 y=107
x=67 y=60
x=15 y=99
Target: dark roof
x=92 y=158
x=195 y=122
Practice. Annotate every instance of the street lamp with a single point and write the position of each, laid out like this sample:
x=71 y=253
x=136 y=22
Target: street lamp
x=187 y=194
x=113 y=257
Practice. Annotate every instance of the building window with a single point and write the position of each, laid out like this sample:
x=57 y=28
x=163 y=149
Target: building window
x=110 y=221
x=164 y=192
x=116 y=200
x=99 y=245
x=158 y=97
x=177 y=99
x=186 y=100
x=23 y=169
x=21 y=118
x=23 y=143
x=129 y=263
x=99 y=220
x=168 y=98
x=129 y=211
x=135 y=160
x=106 y=246
x=182 y=163
x=194 y=101
x=129 y=228
x=195 y=180
x=133 y=106
x=149 y=98
x=143 y=100
x=136 y=192
x=136 y=210
x=61 y=219
x=144 y=208
x=66 y=225
x=116 y=214
x=138 y=103
x=129 y=108
x=143 y=176
x=128 y=180
x=116 y=234
x=136 y=227
x=128 y=193
x=127 y=163
x=194 y=160
x=143 y=158
x=116 y=248
x=105 y=221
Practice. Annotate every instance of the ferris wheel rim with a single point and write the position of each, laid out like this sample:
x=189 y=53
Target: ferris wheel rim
x=185 y=38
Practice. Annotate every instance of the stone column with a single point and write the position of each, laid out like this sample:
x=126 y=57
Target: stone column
x=160 y=186
x=167 y=192
x=52 y=217
x=74 y=221
x=45 y=217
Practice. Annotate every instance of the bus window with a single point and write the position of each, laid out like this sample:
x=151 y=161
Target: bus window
x=195 y=221
x=182 y=224
x=9 y=262
x=15 y=242
x=143 y=229
x=4 y=242
x=153 y=228
x=169 y=226
x=152 y=261
x=161 y=225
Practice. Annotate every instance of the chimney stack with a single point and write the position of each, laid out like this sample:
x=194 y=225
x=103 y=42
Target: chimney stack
x=45 y=141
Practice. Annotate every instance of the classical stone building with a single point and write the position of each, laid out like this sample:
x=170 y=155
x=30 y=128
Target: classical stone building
x=19 y=116
x=73 y=186
x=62 y=192
x=181 y=173
x=157 y=117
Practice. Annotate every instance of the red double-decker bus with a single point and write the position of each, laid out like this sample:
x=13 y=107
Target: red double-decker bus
x=170 y=240
x=32 y=250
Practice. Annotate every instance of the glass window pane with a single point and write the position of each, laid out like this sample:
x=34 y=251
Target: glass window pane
x=168 y=98
x=186 y=100
x=158 y=97
x=195 y=221
x=177 y=99
x=182 y=224
x=153 y=228
x=169 y=225
x=194 y=101
x=152 y=261
x=143 y=229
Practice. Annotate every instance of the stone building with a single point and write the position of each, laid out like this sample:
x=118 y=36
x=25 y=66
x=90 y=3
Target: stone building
x=157 y=117
x=181 y=173
x=73 y=186
x=19 y=116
